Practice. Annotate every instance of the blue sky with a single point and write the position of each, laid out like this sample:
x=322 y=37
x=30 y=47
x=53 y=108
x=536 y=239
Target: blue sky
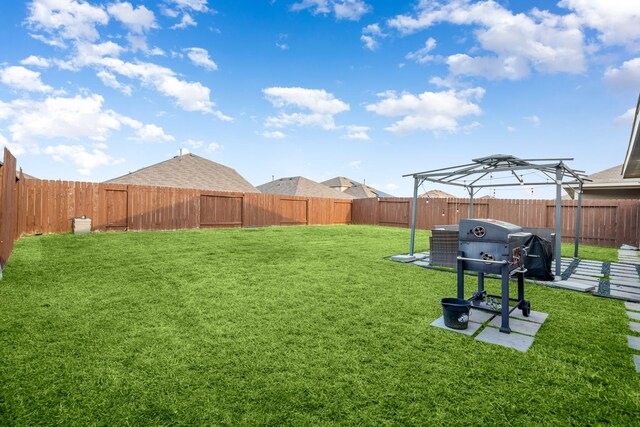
x=365 y=89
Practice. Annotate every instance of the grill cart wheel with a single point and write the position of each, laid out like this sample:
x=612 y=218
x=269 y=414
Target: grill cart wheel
x=526 y=308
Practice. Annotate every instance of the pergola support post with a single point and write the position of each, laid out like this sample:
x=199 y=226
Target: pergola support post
x=578 y=217
x=413 y=215
x=558 y=247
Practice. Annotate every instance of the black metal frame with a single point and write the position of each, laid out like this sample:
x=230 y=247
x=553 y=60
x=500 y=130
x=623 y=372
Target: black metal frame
x=481 y=295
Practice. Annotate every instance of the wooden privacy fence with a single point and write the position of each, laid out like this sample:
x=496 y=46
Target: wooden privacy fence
x=50 y=206
x=10 y=193
x=604 y=222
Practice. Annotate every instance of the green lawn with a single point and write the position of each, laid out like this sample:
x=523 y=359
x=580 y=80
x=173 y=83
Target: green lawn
x=299 y=325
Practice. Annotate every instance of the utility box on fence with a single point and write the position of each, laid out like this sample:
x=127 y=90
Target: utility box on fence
x=81 y=225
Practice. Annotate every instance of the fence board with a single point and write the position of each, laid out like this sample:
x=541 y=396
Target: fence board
x=604 y=222
x=8 y=207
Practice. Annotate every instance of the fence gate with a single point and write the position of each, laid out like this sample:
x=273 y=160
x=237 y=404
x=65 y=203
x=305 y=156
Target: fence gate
x=220 y=211
x=117 y=218
x=293 y=212
x=394 y=213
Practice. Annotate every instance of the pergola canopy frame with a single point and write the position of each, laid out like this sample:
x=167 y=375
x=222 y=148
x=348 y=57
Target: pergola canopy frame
x=473 y=177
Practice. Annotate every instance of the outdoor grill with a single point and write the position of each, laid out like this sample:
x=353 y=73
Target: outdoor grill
x=489 y=246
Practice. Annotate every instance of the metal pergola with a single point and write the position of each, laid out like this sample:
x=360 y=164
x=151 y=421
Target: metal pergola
x=501 y=170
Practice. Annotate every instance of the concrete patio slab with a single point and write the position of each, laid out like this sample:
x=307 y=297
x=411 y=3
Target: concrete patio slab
x=634 y=326
x=574 y=285
x=403 y=258
x=518 y=326
x=623 y=288
x=472 y=329
x=634 y=342
x=479 y=316
x=633 y=306
x=513 y=340
x=625 y=295
x=636 y=359
x=422 y=263
x=534 y=316
x=633 y=315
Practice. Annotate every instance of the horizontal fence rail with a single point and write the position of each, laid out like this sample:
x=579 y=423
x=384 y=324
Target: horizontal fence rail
x=604 y=222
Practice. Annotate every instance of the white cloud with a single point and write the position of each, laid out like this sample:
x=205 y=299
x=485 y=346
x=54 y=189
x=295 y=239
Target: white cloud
x=512 y=67
x=76 y=118
x=626 y=117
x=186 y=21
x=138 y=20
x=392 y=186
x=355 y=164
x=370 y=35
x=195 y=5
x=49 y=41
x=547 y=42
x=194 y=143
x=369 y=42
x=90 y=53
x=85 y=161
x=151 y=133
x=273 y=134
x=617 y=22
x=351 y=10
x=321 y=104
x=36 y=61
x=67 y=19
x=110 y=80
x=213 y=147
x=356 y=132
x=190 y=96
x=23 y=79
x=511 y=129
x=316 y=100
x=282 y=46
x=535 y=120
x=625 y=77
x=422 y=56
x=435 y=111
x=200 y=57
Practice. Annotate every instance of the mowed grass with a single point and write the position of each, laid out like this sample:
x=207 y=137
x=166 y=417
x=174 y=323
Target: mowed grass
x=297 y=326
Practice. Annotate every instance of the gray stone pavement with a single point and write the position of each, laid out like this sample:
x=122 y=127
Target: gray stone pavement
x=523 y=329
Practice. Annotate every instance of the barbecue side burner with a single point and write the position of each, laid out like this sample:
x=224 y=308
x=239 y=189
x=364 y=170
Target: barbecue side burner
x=491 y=246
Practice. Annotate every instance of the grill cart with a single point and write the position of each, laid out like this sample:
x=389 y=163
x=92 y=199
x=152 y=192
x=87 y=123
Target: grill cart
x=489 y=246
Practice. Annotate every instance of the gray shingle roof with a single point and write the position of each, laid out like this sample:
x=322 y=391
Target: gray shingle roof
x=437 y=194
x=364 y=191
x=355 y=188
x=613 y=174
x=340 y=181
x=188 y=171
x=301 y=186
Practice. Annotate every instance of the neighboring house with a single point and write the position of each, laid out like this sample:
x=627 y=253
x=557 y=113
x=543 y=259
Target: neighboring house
x=363 y=191
x=609 y=184
x=188 y=171
x=631 y=165
x=301 y=186
x=340 y=183
x=437 y=194
x=354 y=188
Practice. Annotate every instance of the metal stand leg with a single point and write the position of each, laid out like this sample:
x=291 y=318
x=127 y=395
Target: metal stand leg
x=460 y=277
x=480 y=282
x=520 y=286
x=505 y=300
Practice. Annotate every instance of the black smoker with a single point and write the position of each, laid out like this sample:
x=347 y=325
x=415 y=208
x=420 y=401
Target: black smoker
x=490 y=246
